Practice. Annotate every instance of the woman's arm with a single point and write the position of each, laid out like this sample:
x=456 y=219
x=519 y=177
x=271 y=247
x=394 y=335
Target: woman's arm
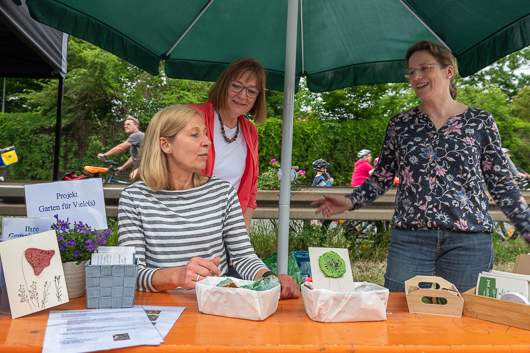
x=500 y=182
x=247 y=215
x=130 y=233
x=237 y=241
x=186 y=276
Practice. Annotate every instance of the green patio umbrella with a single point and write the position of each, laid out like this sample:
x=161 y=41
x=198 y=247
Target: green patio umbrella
x=333 y=43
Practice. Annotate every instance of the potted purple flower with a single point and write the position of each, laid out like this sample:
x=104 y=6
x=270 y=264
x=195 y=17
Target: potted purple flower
x=76 y=243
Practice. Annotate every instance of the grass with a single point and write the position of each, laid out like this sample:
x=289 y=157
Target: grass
x=368 y=256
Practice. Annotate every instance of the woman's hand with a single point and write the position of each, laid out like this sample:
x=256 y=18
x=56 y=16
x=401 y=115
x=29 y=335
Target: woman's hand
x=185 y=276
x=331 y=205
x=199 y=268
x=290 y=288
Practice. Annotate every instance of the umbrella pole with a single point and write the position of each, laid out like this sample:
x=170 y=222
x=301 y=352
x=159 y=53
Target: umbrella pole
x=287 y=137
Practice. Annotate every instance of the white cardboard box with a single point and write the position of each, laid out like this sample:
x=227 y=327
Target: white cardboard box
x=495 y=284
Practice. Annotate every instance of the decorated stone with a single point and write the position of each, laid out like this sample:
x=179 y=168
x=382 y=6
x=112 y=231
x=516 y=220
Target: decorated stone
x=332 y=264
x=38 y=259
x=263 y=284
x=227 y=283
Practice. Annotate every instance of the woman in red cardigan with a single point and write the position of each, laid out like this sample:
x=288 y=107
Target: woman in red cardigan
x=233 y=154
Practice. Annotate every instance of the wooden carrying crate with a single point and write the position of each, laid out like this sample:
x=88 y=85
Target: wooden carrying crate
x=445 y=290
x=500 y=311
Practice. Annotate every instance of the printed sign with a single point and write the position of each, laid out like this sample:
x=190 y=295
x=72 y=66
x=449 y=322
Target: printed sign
x=13 y=228
x=78 y=200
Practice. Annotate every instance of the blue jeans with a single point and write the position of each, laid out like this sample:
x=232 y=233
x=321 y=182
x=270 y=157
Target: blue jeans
x=458 y=257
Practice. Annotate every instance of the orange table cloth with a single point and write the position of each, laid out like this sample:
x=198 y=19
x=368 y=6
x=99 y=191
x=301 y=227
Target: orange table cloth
x=291 y=330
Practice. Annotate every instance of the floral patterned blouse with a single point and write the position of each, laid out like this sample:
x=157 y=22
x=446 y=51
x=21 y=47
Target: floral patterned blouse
x=442 y=174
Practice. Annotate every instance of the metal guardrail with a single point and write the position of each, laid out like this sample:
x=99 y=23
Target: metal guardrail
x=12 y=203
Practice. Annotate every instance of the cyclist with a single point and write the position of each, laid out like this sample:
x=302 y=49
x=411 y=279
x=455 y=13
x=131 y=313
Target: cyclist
x=133 y=142
x=363 y=168
x=322 y=178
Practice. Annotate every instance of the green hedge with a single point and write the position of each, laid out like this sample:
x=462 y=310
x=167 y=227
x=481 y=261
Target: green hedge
x=335 y=141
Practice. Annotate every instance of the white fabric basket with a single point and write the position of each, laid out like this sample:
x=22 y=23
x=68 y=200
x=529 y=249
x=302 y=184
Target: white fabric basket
x=367 y=303
x=236 y=302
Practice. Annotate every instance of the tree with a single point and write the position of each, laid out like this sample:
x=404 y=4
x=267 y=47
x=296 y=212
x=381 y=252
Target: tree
x=507 y=73
x=15 y=89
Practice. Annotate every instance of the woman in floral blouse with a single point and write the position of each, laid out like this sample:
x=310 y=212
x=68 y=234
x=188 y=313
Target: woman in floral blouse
x=439 y=150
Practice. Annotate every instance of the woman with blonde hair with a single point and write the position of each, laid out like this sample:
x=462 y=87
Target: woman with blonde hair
x=179 y=221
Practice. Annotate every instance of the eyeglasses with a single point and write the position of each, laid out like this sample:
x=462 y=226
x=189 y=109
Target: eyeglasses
x=422 y=69
x=236 y=87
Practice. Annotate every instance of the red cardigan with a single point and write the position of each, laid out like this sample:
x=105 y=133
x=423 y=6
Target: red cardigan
x=248 y=188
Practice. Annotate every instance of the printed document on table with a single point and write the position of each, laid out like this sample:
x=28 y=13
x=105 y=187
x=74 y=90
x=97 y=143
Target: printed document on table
x=77 y=331
x=162 y=317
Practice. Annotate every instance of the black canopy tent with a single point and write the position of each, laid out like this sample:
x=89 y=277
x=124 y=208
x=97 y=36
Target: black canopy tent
x=29 y=49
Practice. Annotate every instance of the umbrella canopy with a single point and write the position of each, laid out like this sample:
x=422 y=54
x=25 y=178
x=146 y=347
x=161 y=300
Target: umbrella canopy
x=340 y=43
x=333 y=43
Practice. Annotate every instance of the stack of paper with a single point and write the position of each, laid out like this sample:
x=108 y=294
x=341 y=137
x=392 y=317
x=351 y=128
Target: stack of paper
x=113 y=255
x=495 y=284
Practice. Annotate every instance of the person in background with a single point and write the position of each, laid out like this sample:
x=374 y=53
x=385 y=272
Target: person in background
x=322 y=178
x=441 y=224
x=179 y=221
x=239 y=90
x=363 y=168
x=133 y=143
x=515 y=170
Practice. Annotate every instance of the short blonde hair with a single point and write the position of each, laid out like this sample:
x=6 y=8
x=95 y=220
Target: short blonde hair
x=134 y=120
x=218 y=94
x=153 y=165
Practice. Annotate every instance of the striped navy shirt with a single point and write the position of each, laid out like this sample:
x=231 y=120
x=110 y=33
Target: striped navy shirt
x=168 y=228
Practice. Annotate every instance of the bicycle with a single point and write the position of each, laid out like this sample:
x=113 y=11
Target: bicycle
x=8 y=156
x=522 y=183
x=106 y=174
x=504 y=231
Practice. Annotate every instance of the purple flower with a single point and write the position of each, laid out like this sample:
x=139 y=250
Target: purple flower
x=407 y=176
x=432 y=182
x=302 y=172
x=440 y=171
x=486 y=165
x=79 y=242
x=468 y=140
x=455 y=127
x=273 y=160
x=385 y=175
x=461 y=224
x=494 y=127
